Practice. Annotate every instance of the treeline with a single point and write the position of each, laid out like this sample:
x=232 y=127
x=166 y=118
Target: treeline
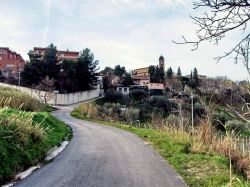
x=124 y=77
x=67 y=76
x=157 y=75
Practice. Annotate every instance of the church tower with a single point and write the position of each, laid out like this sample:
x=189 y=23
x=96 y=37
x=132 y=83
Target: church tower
x=162 y=62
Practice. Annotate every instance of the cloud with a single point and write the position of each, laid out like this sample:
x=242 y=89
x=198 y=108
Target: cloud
x=127 y=32
x=47 y=12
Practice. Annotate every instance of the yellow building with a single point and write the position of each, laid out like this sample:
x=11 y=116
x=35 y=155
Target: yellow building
x=141 y=72
x=141 y=76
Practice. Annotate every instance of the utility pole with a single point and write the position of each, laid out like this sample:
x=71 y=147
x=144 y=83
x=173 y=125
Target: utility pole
x=192 y=109
x=19 y=78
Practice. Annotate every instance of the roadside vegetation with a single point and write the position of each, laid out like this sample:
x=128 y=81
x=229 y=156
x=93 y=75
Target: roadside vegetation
x=209 y=155
x=27 y=132
x=16 y=99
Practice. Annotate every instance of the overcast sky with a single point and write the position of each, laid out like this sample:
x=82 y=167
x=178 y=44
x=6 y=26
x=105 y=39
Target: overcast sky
x=132 y=33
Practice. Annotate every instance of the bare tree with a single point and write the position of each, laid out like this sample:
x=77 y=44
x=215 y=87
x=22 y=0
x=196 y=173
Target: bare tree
x=220 y=18
x=44 y=89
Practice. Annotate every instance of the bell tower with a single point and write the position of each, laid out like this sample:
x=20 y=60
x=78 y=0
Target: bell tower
x=162 y=62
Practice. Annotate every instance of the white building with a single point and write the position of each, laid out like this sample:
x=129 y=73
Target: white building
x=123 y=90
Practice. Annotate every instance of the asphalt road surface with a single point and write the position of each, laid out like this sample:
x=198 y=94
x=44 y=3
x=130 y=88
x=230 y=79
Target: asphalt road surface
x=103 y=156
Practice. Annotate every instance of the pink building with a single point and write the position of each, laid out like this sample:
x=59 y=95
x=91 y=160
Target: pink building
x=10 y=62
x=61 y=55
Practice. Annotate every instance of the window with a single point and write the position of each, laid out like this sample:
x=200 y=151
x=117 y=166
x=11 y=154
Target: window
x=125 y=89
x=120 y=89
x=9 y=65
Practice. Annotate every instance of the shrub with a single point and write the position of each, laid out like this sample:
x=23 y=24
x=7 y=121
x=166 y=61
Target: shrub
x=112 y=96
x=199 y=111
x=88 y=110
x=219 y=120
x=173 y=120
x=159 y=106
x=131 y=115
x=109 y=111
x=237 y=126
x=138 y=94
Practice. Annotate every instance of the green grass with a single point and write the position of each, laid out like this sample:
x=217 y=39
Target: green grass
x=14 y=98
x=17 y=155
x=197 y=169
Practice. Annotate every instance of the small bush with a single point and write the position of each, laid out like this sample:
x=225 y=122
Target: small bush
x=158 y=106
x=112 y=96
x=173 y=120
x=88 y=110
x=219 y=120
x=238 y=126
x=199 y=111
x=131 y=115
x=138 y=94
x=109 y=111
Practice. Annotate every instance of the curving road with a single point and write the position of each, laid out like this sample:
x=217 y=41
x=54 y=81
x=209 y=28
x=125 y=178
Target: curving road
x=103 y=156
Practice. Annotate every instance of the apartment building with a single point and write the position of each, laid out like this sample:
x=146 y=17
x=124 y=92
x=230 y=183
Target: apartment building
x=61 y=55
x=11 y=63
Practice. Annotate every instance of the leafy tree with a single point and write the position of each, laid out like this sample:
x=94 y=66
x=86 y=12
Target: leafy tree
x=34 y=57
x=152 y=73
x=33 y=73
x=184 y=80
x=38 y=68
x=196 y=77
x=157 y=74
x=127 y=80
x=51 y=54
x=119 y=71
x=51 y=62
x=194 y=81
x=138 y=94
x=86 y=70
x=107 y=70
x=160 y=75
x=106 y=83
x=179 y=74
x=69 y=75
x=169 y=73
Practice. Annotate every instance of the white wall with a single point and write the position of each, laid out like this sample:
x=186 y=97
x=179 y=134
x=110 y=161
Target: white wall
x=123 y=90
x=60 y=99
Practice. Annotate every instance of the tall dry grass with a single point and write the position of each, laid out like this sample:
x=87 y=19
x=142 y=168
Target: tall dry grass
x=21 y=125
x=88 y=110
x=206 y=139
x=16 y=99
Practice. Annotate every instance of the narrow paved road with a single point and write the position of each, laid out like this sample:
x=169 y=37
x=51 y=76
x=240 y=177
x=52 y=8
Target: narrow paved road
x=103 y=156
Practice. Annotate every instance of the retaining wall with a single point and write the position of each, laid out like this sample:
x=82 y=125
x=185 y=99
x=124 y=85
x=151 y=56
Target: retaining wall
x=59 y=99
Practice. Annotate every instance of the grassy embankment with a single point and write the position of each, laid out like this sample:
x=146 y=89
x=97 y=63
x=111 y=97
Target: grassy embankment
x=197 y=169
x=27 y=132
